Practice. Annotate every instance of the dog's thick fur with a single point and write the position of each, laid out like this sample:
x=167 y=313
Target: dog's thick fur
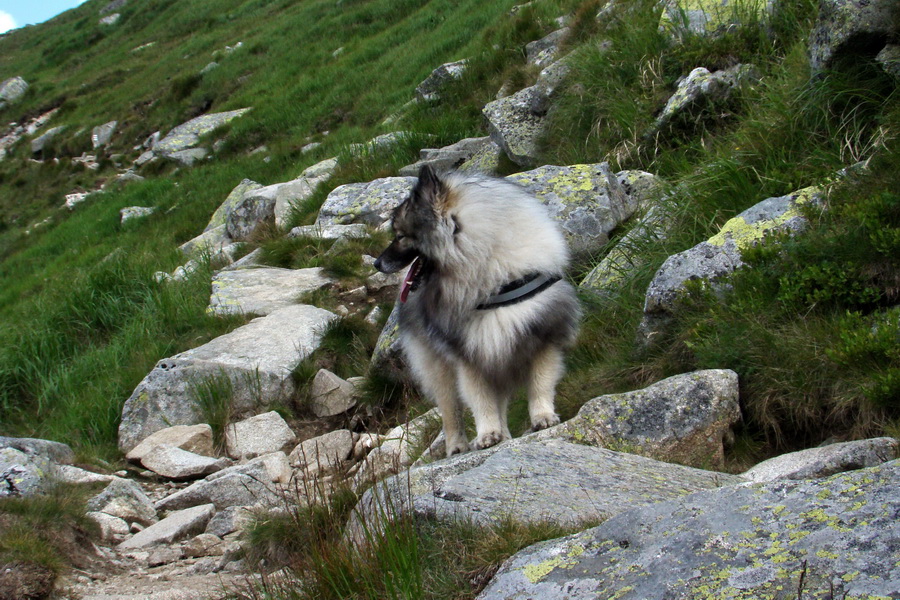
x=472 y=236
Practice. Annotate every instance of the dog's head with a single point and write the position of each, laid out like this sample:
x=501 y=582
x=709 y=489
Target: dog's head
x=420 y=224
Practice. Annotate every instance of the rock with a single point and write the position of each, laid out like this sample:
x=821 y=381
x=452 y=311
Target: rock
x=220 y=216
x=370 y=203
x=430 y=88
x=39 y=143
x=174 y=463
x=204 y=544
x=176 y=526
x=323 y=454
x=209 y=67
x=533 y=481
x=544 y=51
x=588 y=201
x=682 y=419
x=187 y=135
x=447 y=158
x=113 y=6
x=824 y=460
x=277 y=466
x=702 y=86
x=257 y=435
x=12 y=90
x=253 y=364
x=293 y=193
x=78 y=476
x=321 y=170
x=330 y=395
x=163 y=555
x=381 y=142
x=486 y=161
x=112 y=529
x=824 y=538
x=229 y=520
x=193 y=438
x=25 y=474
x=255 y=209
x=851 y=28
x=126 y=500
x=136 y=212
x=514 y=127
x=889 y=59
x=188 y=157
x=57 y=452
x=547 y=83
x=233 y=489
x=386 y=357
x=721 y=255
x=209 y=243
x=329 y=232
x=102 y=134
x=263 y=290
x=706 y=16
x=396 y=449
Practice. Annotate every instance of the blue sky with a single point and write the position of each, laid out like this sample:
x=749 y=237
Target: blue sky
x=18 y=13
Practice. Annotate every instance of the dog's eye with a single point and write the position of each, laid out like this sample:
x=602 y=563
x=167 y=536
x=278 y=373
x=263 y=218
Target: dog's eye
x=456 y=226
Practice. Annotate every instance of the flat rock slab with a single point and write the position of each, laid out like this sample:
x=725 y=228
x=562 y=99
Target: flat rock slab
x=825 y=460
x=193 y=438
x=536 y=481
x=260 y=434
x=263 y=290
x=174 y=463
x=234 y=489
x=254 y=362
x=176 y=526
x=838 y=536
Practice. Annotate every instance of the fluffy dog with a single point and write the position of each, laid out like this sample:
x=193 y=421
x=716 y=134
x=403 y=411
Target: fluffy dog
x=484 y=309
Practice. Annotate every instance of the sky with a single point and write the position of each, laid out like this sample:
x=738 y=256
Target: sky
x=18 y=13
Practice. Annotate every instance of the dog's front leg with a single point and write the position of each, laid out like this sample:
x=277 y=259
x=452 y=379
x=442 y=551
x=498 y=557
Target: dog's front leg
x=546 y=371
x=486 y=407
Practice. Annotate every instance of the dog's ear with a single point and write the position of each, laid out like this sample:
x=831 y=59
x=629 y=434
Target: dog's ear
x=430 y=187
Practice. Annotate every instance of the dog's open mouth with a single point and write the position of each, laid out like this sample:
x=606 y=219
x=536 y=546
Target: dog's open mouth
x=413 y=277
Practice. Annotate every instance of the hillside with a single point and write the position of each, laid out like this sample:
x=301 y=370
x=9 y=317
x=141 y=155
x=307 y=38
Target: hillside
x=727 y=180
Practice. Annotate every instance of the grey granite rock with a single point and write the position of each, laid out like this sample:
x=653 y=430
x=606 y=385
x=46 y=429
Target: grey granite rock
x=126 y=500
x=233 y=489
x=330 y=395
x=824 y=460
x=254 y=362
x=854 y=28
x=102 y=134
x=260 y=434
x=825 y=538
x=187 y=135
x=176 y=526
x=263 y=290
x=12 y=90
x=193 y=438
x=515 y=127
x=430 y=88
x=370 y=203
x=172 y=462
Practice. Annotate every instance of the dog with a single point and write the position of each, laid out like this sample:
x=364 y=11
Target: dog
x=484 y=309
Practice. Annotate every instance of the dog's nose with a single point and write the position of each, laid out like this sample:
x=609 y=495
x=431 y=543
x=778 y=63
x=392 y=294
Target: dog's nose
x=377 y=264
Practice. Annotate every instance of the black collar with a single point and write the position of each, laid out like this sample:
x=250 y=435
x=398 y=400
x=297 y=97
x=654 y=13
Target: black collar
x=519 y=290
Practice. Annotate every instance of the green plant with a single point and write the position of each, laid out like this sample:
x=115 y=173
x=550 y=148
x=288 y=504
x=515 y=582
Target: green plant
x=214 y=395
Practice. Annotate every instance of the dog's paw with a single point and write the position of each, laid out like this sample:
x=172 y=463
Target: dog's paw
x=458 y=447
x=487 y=439
x=544 y=421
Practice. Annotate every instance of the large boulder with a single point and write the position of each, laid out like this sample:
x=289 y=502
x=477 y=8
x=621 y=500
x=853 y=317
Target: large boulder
x=370 y=203
x=719 y=256
x=102 y=134
x=589 y=201
x=39 y=143
x=682 y=419
x=515 y=127
x=824 y=538
x=30 y=466
x=534 y=481
x=253 y=364
x=229 y=487
x=255 y=209
x=263 y=290
x=544 y=51
x=235 y=196
x=855 y=28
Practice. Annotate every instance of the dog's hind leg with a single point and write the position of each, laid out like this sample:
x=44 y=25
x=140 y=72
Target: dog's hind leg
x=546 y=371
x=486 y=407
x=437 y=380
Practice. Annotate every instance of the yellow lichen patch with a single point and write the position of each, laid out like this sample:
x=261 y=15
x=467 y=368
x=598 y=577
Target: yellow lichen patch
x=745 y=234
x=534 y=573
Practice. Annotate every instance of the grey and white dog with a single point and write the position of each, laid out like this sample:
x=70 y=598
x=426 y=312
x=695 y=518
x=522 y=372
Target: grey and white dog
x=485 y=309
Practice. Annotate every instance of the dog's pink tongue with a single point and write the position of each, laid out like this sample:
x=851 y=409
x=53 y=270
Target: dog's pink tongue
x=408 y=280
